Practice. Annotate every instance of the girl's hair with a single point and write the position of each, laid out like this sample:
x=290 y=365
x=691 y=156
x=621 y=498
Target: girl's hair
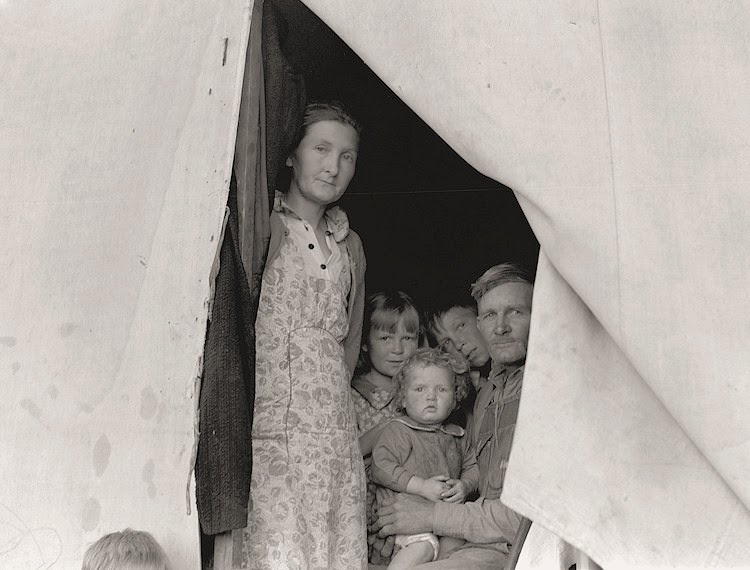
x=115 y=550
x=317 y=111
x=382 y=312
x=458 y=366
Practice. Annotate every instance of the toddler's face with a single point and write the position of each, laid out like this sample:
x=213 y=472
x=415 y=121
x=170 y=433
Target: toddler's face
x=430 y=395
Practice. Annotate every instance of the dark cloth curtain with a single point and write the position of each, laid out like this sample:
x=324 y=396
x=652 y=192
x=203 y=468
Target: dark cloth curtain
x=224 y=463
x=285 y=96
x=273 y=99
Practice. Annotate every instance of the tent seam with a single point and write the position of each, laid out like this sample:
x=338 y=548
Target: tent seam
x=612 y=172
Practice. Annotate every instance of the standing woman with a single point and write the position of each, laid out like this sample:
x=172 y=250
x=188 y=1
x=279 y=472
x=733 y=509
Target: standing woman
x=308 y=485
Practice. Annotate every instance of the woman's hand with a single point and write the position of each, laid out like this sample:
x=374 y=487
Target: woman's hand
x=457 y=491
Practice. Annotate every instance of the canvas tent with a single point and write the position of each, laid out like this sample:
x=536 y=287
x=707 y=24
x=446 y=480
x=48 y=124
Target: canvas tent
x=623 y=131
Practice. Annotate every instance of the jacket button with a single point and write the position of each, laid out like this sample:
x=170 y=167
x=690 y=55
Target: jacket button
x=311 y=246
x=322 y=265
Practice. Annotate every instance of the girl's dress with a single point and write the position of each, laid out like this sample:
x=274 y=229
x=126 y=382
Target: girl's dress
x=373 y=406
x=308 y=483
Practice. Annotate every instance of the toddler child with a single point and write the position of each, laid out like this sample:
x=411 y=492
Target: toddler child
x=417 y=453
x=126 y=550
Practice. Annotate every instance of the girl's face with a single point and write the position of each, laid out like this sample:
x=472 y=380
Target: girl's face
x=430 y=394
x=323 y=163
x=388 y=350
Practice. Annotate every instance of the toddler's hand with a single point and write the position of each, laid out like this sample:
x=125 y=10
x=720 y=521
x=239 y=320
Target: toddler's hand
x=456 y=492
x=434 y=487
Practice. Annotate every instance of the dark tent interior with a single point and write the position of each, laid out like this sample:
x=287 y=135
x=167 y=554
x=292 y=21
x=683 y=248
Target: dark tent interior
x=430 y=223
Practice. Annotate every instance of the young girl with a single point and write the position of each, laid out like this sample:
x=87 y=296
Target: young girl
x=391 y=335
x=307 y=492
x=417 y=453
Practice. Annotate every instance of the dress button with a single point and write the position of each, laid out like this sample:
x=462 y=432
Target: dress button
x=322 y=265
x=311 y=246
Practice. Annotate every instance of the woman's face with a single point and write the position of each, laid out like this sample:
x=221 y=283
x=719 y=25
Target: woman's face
x=388 y=350
x=323 y=163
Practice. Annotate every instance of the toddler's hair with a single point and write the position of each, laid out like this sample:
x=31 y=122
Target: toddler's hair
x=127 y=547
x=457 y=365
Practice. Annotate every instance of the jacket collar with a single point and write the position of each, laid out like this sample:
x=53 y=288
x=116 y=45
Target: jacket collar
x=501 y=375
x=336 y=218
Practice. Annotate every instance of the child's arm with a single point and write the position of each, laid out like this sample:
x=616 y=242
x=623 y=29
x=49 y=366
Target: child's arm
x=367 y=440
x=469 y=482
x=391 y=451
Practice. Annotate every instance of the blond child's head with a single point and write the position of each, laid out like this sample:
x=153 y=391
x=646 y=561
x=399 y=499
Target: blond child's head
x=126 y=550
x=430 y=384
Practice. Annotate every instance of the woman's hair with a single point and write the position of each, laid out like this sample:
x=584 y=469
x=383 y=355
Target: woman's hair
x=499 y=275
x=127 y=547
x=382 y=312
x=317 y=111
x=458 y=366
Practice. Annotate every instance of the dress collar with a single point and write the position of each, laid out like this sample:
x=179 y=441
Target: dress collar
x=336 y=219
x=450 y=429
x=378 y=397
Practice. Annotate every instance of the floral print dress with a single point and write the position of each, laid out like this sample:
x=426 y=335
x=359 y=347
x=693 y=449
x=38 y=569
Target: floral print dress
x=373 y=406
x=307 y=497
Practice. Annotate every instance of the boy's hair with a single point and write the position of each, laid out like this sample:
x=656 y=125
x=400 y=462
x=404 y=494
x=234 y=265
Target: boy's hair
x=382 y=312
x=500 y=274
x=433 y=319
x=114 y=550
x=458 y=366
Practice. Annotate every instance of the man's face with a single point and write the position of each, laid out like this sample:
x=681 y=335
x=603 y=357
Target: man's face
x=457 y=332
x=504 y=318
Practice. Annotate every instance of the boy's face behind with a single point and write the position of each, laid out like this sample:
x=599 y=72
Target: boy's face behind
x=457 y=332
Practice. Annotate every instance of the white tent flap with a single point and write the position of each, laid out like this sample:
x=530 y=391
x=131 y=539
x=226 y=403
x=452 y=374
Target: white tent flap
x=117 y=122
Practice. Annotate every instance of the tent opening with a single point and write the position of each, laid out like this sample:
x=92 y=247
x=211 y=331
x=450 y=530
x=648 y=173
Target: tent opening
x=430 y=223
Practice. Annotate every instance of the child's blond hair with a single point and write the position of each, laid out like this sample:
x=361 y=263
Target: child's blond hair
x=457 y=365
x=128 y=547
